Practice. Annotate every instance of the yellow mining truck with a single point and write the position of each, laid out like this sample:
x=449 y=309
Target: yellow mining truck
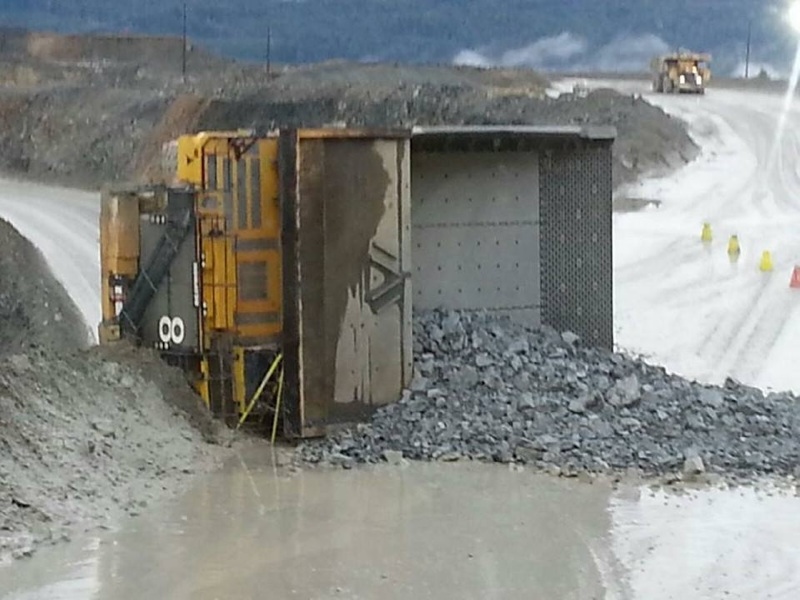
x=681 y=73
x=275 y=268
x=266 y=266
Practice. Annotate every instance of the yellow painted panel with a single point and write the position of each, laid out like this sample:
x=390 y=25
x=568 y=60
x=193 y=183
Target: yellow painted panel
x=259 y=241
x=270 y=202
x=219 y=275
x=201 y=385
x=266 y=308
x=337 y=133
x=193 y=148
x=264 y=332
x=251 y=232
x=190 y=159
x=239 y=386
x=119 y=243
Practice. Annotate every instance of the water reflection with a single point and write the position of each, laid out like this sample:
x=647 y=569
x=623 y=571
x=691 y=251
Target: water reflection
x=425 y=531
x=428 y=531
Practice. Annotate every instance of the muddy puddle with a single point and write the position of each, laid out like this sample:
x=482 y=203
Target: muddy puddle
x=426 y=531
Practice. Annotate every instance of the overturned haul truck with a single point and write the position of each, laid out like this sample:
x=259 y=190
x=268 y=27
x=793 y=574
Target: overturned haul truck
x=280 y=271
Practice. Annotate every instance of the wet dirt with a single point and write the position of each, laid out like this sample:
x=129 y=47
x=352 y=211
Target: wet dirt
x=85 y=434
x=423 y=531
x=708 y=544
x=254 y=530
x=86 y=438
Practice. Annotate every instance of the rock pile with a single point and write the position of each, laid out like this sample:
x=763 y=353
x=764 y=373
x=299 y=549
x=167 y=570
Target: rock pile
x=35 y=311
x=488 y=389
x=648 y=140
x=86 y=438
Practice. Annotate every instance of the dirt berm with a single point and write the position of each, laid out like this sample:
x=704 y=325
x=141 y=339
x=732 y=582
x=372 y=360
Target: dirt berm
x=648 y=141
x=34 y=310
x=85 y=435
x=94 y=110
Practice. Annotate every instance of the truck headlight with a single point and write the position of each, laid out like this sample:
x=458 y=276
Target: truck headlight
x=699 y=79
x=682 y=79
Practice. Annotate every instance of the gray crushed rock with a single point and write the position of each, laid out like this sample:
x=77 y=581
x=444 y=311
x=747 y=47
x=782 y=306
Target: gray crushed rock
x=648 y=140
x=488 y=389
x=84 y=440
x=35 y=310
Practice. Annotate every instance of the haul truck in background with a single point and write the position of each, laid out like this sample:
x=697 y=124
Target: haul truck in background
x=681 y=72
x=275 y=269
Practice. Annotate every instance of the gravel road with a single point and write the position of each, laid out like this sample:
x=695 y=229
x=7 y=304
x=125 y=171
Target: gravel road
x=64 y=225
x=685 y=305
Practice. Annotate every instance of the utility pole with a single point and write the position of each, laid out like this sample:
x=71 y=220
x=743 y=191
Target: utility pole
x=183 y=45
x=268 y=15
x=269 y=52
x=747 y=54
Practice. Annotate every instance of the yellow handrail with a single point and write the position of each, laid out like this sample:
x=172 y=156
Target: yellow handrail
x=277 y=408
x=260 y=389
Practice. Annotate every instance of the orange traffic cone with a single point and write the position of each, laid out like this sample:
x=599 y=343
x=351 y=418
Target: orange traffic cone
x=795 y=281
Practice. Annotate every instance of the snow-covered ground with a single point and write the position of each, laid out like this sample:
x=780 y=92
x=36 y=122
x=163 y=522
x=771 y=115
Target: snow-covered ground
x=704 y=545
x=684 y=304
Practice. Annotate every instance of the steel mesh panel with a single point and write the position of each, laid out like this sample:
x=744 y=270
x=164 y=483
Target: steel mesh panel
x=576 y=250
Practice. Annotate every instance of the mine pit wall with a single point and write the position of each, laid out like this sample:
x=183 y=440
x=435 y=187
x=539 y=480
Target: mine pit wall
x=512 y=221
x=516 y=221
x=120 y=48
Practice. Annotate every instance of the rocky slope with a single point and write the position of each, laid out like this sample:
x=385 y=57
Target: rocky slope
x=88 y=114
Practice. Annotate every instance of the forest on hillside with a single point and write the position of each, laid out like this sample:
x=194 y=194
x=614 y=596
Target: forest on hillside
x=538 y=33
